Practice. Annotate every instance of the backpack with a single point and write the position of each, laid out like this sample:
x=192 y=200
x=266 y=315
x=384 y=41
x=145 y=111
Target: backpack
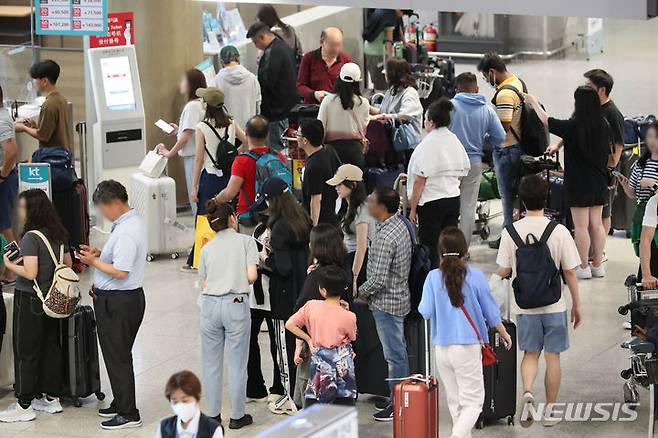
x=268 y=165
x=538 y=280
x=533 y=137
x=62 y=172
x=420 y=267
x=225 y=154
x=64 y=293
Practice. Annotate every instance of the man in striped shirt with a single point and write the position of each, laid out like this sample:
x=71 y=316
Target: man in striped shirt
x=507 y=156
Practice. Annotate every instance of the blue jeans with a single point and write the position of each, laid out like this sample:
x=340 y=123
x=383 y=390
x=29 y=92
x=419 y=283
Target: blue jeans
x=390 y=329
x=507 y=163
x=225 y=323
x=276 y=130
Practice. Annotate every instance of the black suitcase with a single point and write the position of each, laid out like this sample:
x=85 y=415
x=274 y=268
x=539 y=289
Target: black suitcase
x=80 y=348
x=623 y=208
x=375 y=177
x=500 y=380
x=370 y=367
x=414 y=334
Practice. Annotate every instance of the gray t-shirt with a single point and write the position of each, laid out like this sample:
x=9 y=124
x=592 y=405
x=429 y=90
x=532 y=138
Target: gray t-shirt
x=32 y=245
x=362 y=216
x=224 y=260
x=7 y=131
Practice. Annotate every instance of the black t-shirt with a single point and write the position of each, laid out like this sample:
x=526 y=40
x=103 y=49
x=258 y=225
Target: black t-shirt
x=584 y=172
x=311 y=289
x=32 y=245
x=320 y=167
x=616 y=121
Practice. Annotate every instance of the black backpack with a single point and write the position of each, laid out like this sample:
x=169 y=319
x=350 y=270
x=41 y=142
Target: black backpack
x=533 y=137
x=538 y=280
x=225 y=154
x=420 y=267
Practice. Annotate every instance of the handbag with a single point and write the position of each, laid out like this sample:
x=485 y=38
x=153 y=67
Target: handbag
x=488 y=354
x=405 y=137
x=153 y=164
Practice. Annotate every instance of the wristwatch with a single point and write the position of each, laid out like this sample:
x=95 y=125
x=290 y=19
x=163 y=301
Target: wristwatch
x=655 y=187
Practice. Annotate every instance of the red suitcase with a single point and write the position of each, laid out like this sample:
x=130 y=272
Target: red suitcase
x=416 y=403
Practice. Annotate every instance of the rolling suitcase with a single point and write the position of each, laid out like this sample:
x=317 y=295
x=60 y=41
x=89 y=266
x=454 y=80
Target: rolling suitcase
x=79 y=232
x=154 y=199
x=370 y=367
x=80 y=349
x=623 y=207
x=416 y=402
x=375 y=177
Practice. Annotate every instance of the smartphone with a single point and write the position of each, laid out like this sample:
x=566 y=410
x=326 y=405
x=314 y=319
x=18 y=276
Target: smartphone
x=618 y=174
x=12 y=251
x=166 y=127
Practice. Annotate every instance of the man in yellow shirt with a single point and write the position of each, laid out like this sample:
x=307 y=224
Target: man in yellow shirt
x=507 y=156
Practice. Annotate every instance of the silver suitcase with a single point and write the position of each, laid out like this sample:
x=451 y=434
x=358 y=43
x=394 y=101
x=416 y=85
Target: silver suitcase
x=154 y=199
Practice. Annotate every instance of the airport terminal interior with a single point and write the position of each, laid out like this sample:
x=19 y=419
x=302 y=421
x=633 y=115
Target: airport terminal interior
x=549 y=53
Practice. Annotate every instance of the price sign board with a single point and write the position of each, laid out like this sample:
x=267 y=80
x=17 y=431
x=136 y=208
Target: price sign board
x=71 y=17
x=120 y=31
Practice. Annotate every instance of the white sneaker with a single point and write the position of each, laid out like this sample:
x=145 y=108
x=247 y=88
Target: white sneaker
x=257 y=400
x=584 y=273
x=598 y=272
x=527 y=401
x=15 y=413
x=626 y=325
x=49 y=406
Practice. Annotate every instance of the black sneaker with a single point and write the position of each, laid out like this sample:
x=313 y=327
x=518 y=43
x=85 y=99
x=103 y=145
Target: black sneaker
x=240 y=423
x=107 y=412
x=382 y=404
x=384 y=415
x=495 y=244
x=119 y=422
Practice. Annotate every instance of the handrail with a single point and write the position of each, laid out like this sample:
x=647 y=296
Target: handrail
x=505 y=57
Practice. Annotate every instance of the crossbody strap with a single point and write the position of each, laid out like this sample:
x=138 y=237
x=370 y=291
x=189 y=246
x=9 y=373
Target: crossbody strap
x=470 y=321
x=358 y=126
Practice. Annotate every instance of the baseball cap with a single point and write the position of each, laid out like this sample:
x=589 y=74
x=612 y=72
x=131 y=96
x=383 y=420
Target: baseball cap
x=350 y=72
x=272 y=188
x=211 y=95
x=228 y=54
x=346 y=172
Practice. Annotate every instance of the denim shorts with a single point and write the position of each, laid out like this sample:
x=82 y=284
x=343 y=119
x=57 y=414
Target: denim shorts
x=547 y=331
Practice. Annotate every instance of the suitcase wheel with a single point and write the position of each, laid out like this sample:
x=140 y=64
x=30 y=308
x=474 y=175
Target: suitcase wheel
x=485 y=232
x=150 y=257
x=100 y=395
x=174 y=255
x=510 y=421
x=480 y=424
x=76 y=402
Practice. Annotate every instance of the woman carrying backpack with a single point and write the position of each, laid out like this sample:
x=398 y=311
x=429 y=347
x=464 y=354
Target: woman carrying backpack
x=38 y=356
x=457 y=300
x=215 y=140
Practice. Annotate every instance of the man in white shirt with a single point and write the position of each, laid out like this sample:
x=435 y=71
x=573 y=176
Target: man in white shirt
x=543 y=328
x=648 y=246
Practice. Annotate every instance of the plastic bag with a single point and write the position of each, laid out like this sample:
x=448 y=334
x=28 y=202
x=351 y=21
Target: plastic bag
x=501 y=289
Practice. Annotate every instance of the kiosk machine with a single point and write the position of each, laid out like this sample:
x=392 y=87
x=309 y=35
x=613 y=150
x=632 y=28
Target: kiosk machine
x=118 y=132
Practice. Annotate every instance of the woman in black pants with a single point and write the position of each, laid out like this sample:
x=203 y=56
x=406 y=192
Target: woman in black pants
x=436 y=167
x=37 y=352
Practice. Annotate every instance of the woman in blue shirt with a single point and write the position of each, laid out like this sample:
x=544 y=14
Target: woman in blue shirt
x=449 y=293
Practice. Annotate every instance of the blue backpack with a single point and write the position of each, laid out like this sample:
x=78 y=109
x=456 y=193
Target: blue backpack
x=62 y=172
x=538 y=280
x=268 y=165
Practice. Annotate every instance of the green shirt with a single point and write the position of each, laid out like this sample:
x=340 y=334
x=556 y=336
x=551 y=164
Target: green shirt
x=376 y=48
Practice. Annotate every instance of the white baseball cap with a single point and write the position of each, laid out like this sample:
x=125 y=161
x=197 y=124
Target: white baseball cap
x=350 y=72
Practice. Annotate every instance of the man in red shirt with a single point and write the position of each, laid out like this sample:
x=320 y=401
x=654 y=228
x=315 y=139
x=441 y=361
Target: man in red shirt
x=320 y=68
x=243 y=172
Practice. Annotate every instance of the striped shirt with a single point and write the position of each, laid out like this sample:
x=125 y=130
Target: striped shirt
x=389 y=263
x=508 y=108
x=649 y=171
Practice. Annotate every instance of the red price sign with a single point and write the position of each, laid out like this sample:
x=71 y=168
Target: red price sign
x=120 y=31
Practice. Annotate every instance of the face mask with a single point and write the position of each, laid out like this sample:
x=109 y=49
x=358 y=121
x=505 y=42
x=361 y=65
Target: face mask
x=185 y=411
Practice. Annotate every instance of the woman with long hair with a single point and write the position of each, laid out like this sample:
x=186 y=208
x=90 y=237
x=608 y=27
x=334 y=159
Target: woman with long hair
x=401 y=101
x=587 y=138
x=355 y=221
x=38 y=356
x=345 y=115
x=268 y=15
x=190 y=117
x=457 y=300
x=209 y=176
x=641 y=185
x=290 y=226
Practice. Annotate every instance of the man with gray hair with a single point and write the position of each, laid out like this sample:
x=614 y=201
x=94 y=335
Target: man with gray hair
x=240 y=86
x=320 y=68
x=118 y=296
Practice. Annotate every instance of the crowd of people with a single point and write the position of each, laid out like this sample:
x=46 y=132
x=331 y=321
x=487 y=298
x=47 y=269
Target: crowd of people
x=301 y=266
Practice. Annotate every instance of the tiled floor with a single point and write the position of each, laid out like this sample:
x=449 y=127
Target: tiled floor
x=169 y=338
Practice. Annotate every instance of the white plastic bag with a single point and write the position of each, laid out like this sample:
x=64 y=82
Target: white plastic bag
x=501 y=289
x=153 y=164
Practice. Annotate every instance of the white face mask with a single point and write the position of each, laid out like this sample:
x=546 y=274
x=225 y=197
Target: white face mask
x=185 y=411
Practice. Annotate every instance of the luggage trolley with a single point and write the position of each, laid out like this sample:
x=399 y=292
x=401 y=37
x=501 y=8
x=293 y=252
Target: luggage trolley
x=643 y=370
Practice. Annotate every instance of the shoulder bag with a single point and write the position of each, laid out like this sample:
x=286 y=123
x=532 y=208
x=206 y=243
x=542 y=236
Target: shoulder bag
x=488 y=354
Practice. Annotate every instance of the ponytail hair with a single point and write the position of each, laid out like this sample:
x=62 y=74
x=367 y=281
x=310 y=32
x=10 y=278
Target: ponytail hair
x=218 y=214
x=453 y=249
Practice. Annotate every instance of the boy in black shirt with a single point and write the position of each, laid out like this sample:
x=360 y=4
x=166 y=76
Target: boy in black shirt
x=319 y=198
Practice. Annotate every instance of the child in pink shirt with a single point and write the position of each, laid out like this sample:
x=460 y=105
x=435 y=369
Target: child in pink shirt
x=329 y=332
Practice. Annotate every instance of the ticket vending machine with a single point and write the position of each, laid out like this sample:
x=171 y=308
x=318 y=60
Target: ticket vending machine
x=118 y=132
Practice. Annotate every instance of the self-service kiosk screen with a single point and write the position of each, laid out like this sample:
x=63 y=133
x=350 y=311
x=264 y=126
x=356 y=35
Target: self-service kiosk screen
x=118 y=84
